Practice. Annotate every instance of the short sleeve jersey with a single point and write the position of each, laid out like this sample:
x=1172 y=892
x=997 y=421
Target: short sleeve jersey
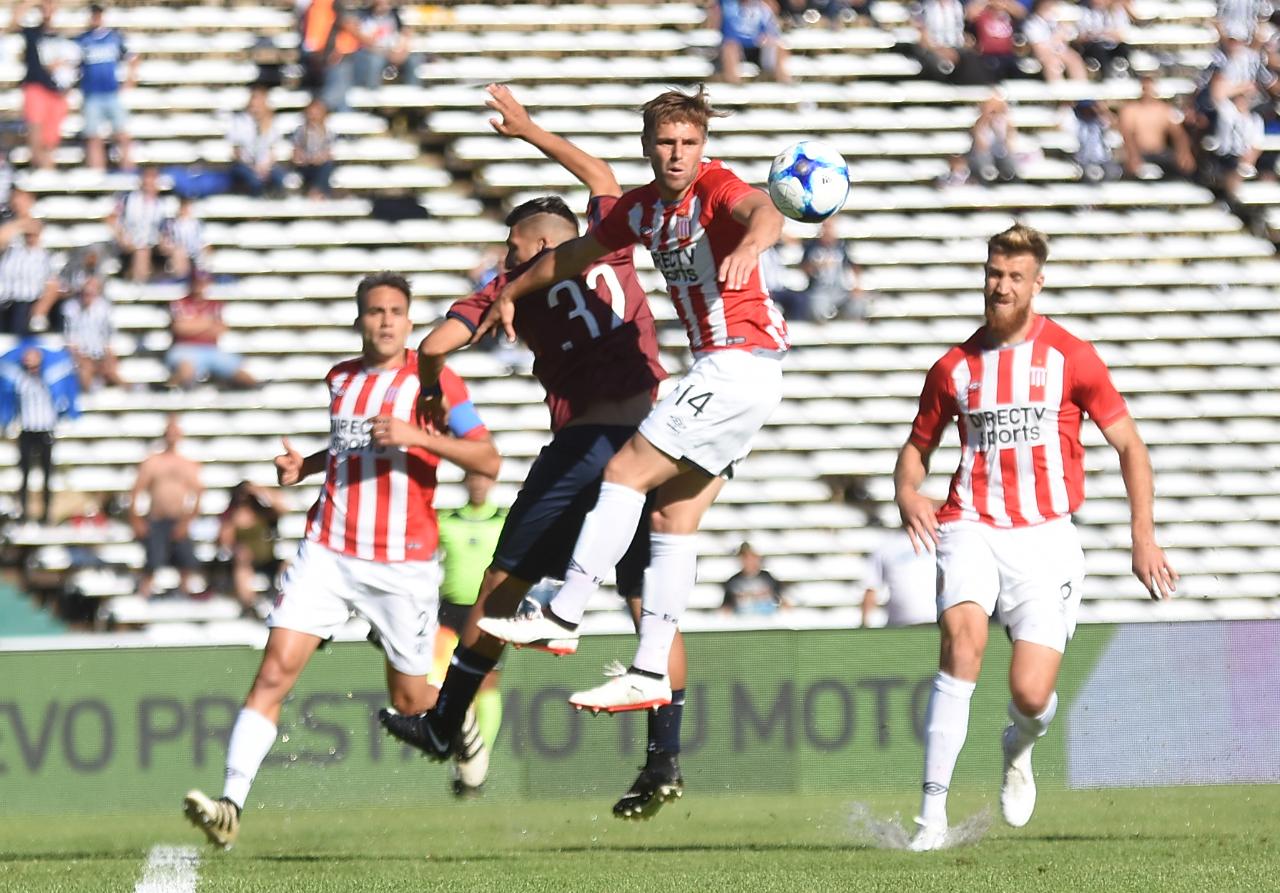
x=688 y=241
x=593 y=337
x=376 y=502
x=100 y=52
x=1018 y=409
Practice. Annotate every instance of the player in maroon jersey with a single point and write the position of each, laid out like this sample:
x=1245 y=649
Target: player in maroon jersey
x=596 y=354
x=1018 y=390
x=705 y=229
x=370 y=542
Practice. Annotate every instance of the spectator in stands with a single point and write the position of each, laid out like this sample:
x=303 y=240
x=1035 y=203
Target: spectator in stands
x=172 y=485
x=1101 y=32
x=1153 y=135
x=940 y=45
x=836 y=12
x=16 y=213
x=196 y=325
x=902 y=581
x=994 y=23
x=102 y=50
x=137 y=222
x=88 y=328
x=752 y=590
x=313 y=150
x=182 y=240
x=749 y=30
x=1239 y=18
x=991 y=152
x=958 y=173
x=37 y=389
x=6 y=182
x=1238 y=142
x=330 y=35
x=1049 y=41
x=28 y=282
x=253 y=136
x=247 y=533
x=1242 y=68
x=50 y=71
x=835 y=280
x=384 y=48
x=1094 y=139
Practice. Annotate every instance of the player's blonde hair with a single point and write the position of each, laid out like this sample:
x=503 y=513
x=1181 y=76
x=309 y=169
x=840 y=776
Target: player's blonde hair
x=676 y=106
x=1020 y=239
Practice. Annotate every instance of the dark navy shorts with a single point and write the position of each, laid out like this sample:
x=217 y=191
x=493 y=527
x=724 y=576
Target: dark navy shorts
x=542 y=527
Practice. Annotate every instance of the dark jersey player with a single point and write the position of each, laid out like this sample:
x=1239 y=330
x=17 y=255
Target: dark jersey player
x=596 y=354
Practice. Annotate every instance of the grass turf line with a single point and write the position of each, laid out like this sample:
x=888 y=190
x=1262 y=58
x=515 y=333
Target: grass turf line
x=1183 y=839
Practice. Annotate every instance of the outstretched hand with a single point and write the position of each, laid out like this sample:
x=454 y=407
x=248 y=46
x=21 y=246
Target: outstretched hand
x=515 y=121
x=920 y=520
x=288 y=464
x=502 y=312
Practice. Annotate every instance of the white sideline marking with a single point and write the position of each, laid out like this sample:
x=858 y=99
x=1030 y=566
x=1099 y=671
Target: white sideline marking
x=170 y=869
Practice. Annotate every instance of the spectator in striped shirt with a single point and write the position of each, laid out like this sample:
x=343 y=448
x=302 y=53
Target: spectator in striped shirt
x=182 y=240
x=253 y=134
x=28 y=282
x=31 y=402
x=313 y=150
x=940 y=45
x=196 y=325
x=87 y=325
x=1238 y=143
x=137 y=222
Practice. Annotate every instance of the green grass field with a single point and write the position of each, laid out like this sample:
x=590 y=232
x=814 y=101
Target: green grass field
x=1185 y=839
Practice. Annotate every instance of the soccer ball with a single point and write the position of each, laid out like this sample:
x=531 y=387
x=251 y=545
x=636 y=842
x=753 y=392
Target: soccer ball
x=809 y=181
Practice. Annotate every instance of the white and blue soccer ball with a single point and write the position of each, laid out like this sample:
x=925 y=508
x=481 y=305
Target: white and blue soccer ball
x=809 y=181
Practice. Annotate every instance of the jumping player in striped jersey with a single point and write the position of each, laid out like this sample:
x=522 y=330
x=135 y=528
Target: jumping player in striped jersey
x=370 y=539
x=705 y=229
x=1018 y=389
x=595 y=350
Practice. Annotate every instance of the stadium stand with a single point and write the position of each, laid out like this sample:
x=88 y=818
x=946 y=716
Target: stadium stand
x=1179 y=294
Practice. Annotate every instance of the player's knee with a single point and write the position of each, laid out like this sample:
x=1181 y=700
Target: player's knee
x=962 y=654
x=1030 y=699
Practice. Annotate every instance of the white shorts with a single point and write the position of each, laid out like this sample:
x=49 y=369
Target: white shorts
x=322 y=589
x=1029 y=577
x=714 y=412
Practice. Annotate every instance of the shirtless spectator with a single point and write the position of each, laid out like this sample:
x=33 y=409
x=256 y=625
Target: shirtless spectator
x=172 y=485
x=1153 y=135
x=1049 y=42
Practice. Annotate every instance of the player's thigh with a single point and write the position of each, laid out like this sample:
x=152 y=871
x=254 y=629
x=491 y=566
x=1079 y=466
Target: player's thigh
x=400 y=600
x=681 y=502
x=312 y=597
x=1041 y=579
x=710 y=418
x=966 y=567
x=542 y=526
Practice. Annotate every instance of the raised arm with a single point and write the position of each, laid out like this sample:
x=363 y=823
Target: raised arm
x=1149 y=562
x=565 y=262
x=764 y=228
x=594 y=173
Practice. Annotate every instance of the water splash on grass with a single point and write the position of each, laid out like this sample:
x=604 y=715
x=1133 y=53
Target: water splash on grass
x=894 y=833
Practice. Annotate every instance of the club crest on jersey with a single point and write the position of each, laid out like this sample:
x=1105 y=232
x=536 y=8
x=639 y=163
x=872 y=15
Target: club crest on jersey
x=1039 y=376
x=684 y=227
x=391 y=394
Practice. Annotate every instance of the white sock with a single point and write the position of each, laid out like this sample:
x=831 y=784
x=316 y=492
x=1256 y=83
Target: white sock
x=251 y=740
x=1030 y=728
x=607 y=531
x=946 y=725
x=668 y=581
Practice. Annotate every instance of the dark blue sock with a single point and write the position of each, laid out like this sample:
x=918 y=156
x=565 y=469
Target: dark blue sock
x=467 y=670
x=664 y=725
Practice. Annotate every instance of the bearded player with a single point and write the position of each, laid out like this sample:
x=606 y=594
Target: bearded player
x=1005 y=544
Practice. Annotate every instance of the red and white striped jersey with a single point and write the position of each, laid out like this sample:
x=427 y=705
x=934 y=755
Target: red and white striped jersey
x=376 y=502
x=688 y=240
x=1018 y=410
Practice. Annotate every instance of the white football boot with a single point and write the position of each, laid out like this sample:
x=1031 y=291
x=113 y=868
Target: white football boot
x=624 y=691
x=218 y=819
x=533 y=629
x=1018 y=789
x=929 y=836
